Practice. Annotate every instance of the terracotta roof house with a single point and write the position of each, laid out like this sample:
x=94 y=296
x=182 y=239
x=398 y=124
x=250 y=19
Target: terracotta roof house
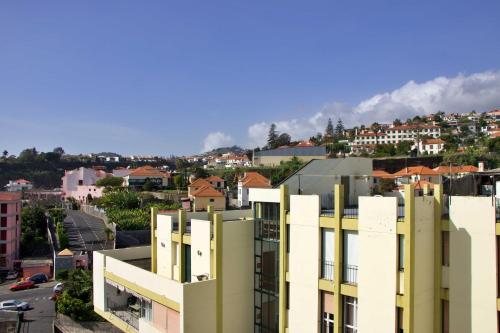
x=138 y=177
x=416 y=173
x=196 y=185
x=459 y=171
x=216 y=181
x=207 y=195
x=431 y=146
x=382 y=174
x=250 y=180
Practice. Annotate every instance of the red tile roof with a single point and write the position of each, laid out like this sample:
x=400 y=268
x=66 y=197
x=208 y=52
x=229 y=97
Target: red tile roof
x=10 y=196
x=419 y=185
x=255 y=179
x=200 y=182
x=433 y=141
x=207 y=191
x=381 y=174
x=147 y=171
x=416 y=170
x=446 y=170
x=214 y=179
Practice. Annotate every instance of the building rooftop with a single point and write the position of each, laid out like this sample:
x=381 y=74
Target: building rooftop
x=293 y=151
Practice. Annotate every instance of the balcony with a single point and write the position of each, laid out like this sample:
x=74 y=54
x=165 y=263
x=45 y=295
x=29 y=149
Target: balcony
x=350 y=274
x=327 y=204
x=401 y=212
x=351 y=212
x=124 y=312
x=327 y=270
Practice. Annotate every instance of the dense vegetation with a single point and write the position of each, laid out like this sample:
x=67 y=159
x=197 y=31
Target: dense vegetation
x=33 y=229
x=58 y=215
x=76 y=299
x=130 y=210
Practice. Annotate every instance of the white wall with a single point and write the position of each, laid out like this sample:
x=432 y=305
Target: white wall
x=304 y=263
x=424 y=265
x=200 y=248
x=377 y=260
x=156 y=283
x=98 y=280
x=199 y=307
x=237 y=276
x=472 y=273
x=264 y=195
x=164 y=246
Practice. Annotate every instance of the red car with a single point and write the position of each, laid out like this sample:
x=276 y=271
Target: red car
x=22 y=285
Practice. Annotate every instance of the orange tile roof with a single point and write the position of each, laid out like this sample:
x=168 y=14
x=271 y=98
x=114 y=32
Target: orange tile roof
x=214 y=179
x=416 y=170
x=22 y=181
x=433 y=141
x=255 y=179
x=419 y=185
x=446 y=170
x=207 y=191
x=10 y=196
x=147 y=171
x=199 y=182
x=381 y=174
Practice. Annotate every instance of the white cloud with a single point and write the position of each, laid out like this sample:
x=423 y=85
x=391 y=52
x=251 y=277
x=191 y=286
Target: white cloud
x=478 y=91
x=216 y=140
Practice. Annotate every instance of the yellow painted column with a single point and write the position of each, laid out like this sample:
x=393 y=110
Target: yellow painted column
x=154 y=219
x=338 y=257
x=284 y=208
x=218 y=234
x=438 y=201
x=210 y=212
x=409 y=258
x=182 y=254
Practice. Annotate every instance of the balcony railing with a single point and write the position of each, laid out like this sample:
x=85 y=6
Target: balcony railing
x=327 y=204
x=267 y=229
x=327 y=270
x=351 y=212
x=125 y=313
x=350 y=274
x=401 y=213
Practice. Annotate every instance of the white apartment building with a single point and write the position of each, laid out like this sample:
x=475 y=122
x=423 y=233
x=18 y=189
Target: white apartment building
x=422 y=264
x=394 y=135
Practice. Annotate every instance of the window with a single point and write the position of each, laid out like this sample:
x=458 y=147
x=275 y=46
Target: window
x=350 y=314
x=3 y=248
x=445 y=322
x=399 y=314
x=3 y=209
x=401 y=253
x=327 y=318
x=146 y=310
x=350 y=269
x=3 y=222
x=327 y=253
x=212 y=200
x=445 y=248
x=3 y=235
x=80 y=182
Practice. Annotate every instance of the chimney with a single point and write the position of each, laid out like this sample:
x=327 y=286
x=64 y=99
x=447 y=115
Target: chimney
x=480 y=166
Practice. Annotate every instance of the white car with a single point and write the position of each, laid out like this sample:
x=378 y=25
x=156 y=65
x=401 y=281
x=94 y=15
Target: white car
x=58 y=288
x=14 y=305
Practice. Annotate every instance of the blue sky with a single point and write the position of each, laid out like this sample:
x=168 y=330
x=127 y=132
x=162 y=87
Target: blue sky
x=167 y=77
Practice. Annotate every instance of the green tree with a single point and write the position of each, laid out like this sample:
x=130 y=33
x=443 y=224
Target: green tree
x=178 y=181
x=148 y=185
x=33 y=228
x=397 y=122
x=28 y=155
x=200 y=173
x=272 y=137
x=375 y=127
x=339 y=129
x=119 y=199
x=283 y=140
x=76 y=299
x=403 y=147
x=59 y=151
x=329 y=132
x=110 y=182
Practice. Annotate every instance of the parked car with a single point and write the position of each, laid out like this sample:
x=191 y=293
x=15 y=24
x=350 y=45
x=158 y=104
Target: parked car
x=38 y=278
x=12 y=275
x=58 y=288
x=14 y=305
x=22 y=285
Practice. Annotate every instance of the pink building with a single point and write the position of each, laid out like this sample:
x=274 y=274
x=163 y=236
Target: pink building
x=10 y=228
x=80 y=184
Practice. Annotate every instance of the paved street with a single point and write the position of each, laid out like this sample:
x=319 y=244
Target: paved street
x=85 y=232
x=39 y=318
